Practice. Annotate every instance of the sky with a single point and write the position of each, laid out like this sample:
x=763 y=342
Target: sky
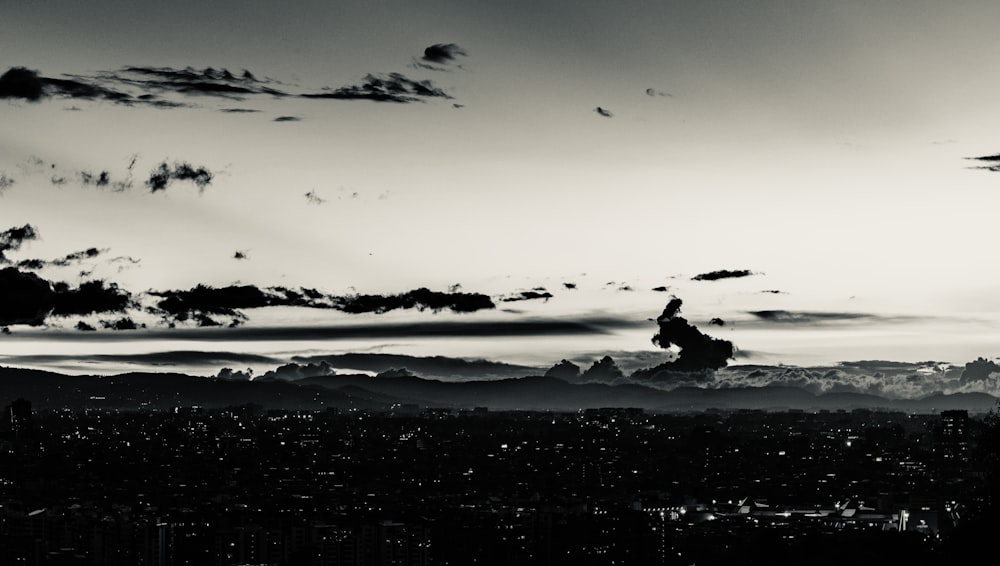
x=560 y=160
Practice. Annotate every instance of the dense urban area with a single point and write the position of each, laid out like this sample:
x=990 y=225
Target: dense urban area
x=416 y=485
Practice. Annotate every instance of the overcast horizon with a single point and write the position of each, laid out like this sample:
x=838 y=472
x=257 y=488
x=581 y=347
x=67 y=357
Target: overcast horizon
x=521 y=182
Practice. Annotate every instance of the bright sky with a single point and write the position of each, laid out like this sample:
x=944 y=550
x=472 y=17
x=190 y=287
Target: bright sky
x=820 y=145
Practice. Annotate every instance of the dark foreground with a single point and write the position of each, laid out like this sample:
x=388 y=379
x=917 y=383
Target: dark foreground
x=609 y=486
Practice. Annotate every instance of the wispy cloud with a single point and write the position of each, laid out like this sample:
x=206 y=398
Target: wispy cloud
x=992 y=160
x=394 y=87
x=808 y=317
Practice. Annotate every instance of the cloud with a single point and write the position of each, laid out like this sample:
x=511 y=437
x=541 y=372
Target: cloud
x=25 y=298
x=313 y=198
x=980 y=369
x=27 y=84
x=604 y=112
x=287 y=119
x=801 y=317
x=439 y=57
x=19 y=82
x=294 y=372
x=722 y=274
x=661 y=289
x=238 y=110
x=603 y=370
x=420 y=299
x=564 y=370
x=65 y=261
x=654 y=93
x=239 y=254
x=5 y=182
x=201 y=302
x=698 y=351
x=166 y=358
x=124 y=323
x=427 y=366
x=12 y=238
x=163 y=175
x=528 y=296
x=994 y=161
x=717 y=322
x=569 y=285
x=443 y=53
x=393 y=87
x=191 y=81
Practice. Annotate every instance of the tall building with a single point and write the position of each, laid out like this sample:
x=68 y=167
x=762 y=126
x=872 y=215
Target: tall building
x=953 y=437
x=17 y=423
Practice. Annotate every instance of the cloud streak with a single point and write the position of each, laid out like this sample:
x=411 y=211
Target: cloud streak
x=722 y=274
x=394 y=87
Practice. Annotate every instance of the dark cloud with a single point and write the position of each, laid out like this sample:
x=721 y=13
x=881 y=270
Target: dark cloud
x=202 y=301
x=569 y=285
x=65 y=261
x=698 y=351
x=239 y=254
x=27 y=84
x=603 y=112
x=427 y=366
x=124 y=323
x=439 y=57
x=420 y=299
x=979 y=370
x=443 y=53
x=25 y=298
x=287 y=119
x=238 y=110
x=19 y=82
x=993 y=160
x=5 y=182
x=773 y=292
x=393 y=87
x=528 y=296
x=661 y=289
x=32 y=264
x=163 y=175
x=653 y=92
x=564 y=370
x=167 y=358
x=12 y=238
x=794 y=317
x=84 y=327
x=90 y=297
x=722 y=274
x=295 y=372
x=717 y=322
x=604 y=370
x=424 y=329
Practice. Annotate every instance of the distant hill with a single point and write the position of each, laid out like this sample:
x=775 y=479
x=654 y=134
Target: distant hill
x=167 y=390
